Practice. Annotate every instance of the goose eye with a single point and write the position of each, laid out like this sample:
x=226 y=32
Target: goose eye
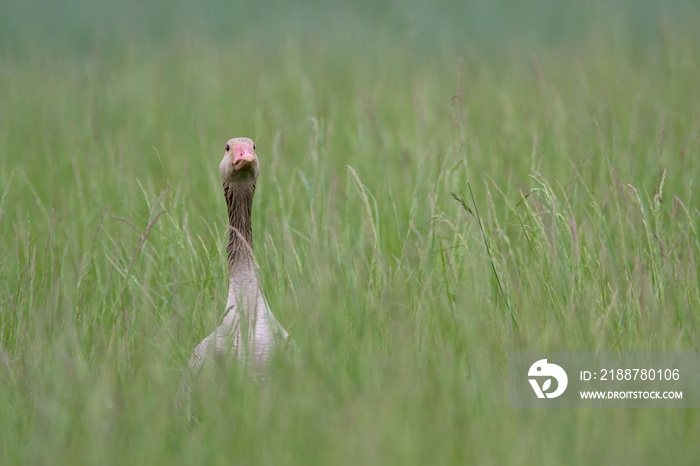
x=253 y=146
x=228 y=148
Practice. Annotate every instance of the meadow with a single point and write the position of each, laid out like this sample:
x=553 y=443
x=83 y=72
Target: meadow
x=422 y=209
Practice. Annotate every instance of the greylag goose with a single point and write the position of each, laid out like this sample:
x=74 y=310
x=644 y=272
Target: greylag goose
x=249 y=332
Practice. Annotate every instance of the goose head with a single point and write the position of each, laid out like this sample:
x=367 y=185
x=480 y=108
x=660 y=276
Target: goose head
x=240 y=162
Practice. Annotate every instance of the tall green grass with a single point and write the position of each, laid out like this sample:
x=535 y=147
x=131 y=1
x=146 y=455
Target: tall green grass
x=578 y=230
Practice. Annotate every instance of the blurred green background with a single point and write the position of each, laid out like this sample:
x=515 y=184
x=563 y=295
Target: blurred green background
x=83 y=25
x=574 y=125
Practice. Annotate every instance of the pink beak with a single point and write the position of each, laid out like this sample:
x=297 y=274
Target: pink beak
x=242 y=155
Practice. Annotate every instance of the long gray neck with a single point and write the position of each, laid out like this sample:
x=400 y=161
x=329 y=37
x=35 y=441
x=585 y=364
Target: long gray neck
x=243 y=290
x=239 y=200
